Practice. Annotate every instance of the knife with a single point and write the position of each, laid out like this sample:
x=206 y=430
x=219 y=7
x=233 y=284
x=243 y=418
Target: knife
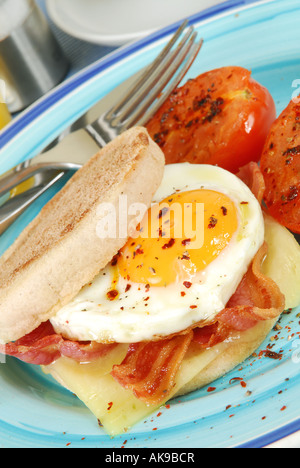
x=74 y=143
x=76 y=146
x=16 y=205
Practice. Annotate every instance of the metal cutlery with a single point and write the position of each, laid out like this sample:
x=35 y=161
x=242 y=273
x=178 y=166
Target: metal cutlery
x=136 y=106
x=15 y=206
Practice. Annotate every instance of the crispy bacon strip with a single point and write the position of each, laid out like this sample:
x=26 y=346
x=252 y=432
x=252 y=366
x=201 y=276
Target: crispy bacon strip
x=43 y=346
x=211 y=335
x=251 y=175
x=256 y=298
x=149 y=369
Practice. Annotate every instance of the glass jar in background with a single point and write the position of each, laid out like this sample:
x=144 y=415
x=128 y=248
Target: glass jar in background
x=31 y=60
x=5 y=116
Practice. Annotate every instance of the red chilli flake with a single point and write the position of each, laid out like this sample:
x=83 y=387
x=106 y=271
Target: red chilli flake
x=163 y=212
x=234 y=379
x=211 y=389
x=112 y=294
x=187 y=284
x=186 y=242
x=212 y=222
x=272 y=354
x=109 y=406
x=115 y=260
x=185 y=257
x=169 y=244
x=239 y=379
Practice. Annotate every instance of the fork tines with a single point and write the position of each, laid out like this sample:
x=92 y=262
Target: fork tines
x=158 y=81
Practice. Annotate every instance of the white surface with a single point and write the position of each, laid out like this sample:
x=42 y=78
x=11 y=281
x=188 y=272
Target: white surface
x=292 y=441
x=116 y=22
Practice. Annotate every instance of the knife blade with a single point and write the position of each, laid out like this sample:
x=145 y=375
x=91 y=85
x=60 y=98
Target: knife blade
x=15 y=206
x=74 y=146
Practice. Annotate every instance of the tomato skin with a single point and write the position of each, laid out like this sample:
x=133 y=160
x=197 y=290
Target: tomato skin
x=280 y=165
x=222 y=117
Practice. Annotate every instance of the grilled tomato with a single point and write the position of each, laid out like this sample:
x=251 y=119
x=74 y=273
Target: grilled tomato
x=280 y=165
x=222 y=117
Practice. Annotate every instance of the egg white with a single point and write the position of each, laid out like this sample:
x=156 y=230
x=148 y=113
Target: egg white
x=161 y=311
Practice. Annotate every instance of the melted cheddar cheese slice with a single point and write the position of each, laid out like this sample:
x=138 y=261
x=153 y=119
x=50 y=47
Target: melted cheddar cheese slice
x=117 y=408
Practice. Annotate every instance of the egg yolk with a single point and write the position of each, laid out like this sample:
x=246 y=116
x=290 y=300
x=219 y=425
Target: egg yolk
x=179 y=237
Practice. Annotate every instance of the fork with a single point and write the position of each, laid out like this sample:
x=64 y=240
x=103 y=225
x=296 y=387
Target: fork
x=136 y=107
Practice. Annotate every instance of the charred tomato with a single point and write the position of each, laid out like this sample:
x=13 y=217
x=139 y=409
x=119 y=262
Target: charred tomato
x=222 y=117
x=280 y=165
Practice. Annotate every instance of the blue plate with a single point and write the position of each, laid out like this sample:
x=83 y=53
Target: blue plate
x=34 y=410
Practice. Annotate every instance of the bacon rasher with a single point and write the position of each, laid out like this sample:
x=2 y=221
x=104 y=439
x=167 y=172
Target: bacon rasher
x=149 y=369
x=251 y=175
x=144 y=370
x=43 y=346
x=256 y=298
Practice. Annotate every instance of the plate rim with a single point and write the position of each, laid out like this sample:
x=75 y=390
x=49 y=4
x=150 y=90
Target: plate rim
x=42 y=105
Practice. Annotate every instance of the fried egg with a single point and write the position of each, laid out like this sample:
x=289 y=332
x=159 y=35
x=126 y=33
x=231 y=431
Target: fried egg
x=185 y=260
